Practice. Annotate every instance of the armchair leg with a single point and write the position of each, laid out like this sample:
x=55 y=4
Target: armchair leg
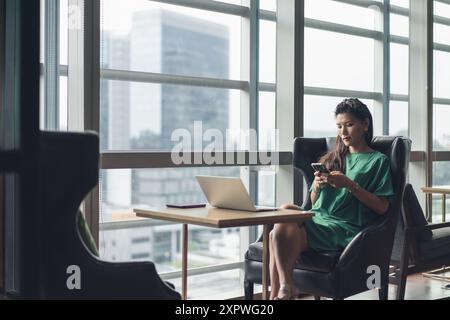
x=248 y=290
x=404 y=264
x=401 y=285
x=383 y=292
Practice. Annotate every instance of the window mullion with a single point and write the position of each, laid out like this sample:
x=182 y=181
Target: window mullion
x=84 y=81
x=386 y=66
x=51 y=68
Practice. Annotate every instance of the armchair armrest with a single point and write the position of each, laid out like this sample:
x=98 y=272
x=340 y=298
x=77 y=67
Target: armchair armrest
x=366 y=240
x=431 y=226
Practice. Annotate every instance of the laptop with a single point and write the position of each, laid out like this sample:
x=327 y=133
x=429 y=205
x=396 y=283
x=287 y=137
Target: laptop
x=228 y=193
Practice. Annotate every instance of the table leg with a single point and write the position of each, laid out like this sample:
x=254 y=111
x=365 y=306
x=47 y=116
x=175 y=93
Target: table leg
x=429 y=200
x=184 y=262
x=265 y=260
x=444 y=199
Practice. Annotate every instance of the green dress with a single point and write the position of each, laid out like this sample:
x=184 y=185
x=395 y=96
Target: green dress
x=339 y=216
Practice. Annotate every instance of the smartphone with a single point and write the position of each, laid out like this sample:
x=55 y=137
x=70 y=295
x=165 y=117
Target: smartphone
x=320 y=167
x=186 y=206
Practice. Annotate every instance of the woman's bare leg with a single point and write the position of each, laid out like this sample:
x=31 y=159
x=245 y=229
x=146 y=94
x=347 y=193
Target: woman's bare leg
x=289 y=240
x=274 y=280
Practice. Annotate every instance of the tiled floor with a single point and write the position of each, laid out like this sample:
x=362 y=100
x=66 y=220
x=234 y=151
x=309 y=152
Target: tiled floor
x=418 y=287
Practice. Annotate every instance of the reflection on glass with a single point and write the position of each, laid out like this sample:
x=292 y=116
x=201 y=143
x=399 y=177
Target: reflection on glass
x=144 y=116
x=441 y=9
x=340 y=61
x=267 y=51
x=441 y=33
x=342 y=13
x=398 y=118
x=400 y=3
x=150 y=36
x=441 y=178
x=122 y=190
x=63 y=31
x=266 y=125
x=399 y=25
x=237 y=2
x=266 y=187
x=162 y=245
x=399 y=68
x=441 y=129
x=441 y=74
x=319 y=115
x=270 y=5
x=63 y=103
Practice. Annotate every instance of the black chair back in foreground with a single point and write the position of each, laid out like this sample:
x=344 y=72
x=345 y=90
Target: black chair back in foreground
x=68 y=171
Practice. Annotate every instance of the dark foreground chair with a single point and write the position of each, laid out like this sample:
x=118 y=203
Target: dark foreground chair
x=418 y=246
x=339 y=275
x=69 y=170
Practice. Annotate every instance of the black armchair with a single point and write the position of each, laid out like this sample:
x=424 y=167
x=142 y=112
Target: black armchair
x=68 y=171
x=418 y=246
x=341 y=274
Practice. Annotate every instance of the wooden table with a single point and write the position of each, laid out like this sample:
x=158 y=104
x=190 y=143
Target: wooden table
x=224 y=218
x=443 y=191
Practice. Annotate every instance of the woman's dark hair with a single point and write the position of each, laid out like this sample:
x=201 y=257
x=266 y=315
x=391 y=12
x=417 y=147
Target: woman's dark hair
x=335 y=159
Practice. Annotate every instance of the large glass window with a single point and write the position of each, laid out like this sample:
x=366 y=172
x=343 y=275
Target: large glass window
x=441 y=116
x=441 y=178
x=167 y=68
x=125 y=189
x=399 y=69
x=319 y=117
x=267 y=51
x=441 y=74
x=148 y=36
x=398 y=114
x=342 y=59
x=441 y=79
x=441 y=106
x=341 y=13
x=144 y=116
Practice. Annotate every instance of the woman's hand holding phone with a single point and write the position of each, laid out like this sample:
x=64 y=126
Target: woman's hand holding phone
x=339 y=180
x=320 y=180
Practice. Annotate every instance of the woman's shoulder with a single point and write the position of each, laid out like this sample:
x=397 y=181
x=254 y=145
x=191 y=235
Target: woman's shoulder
x=370 y=158
x=371 y=155
x=379 y=157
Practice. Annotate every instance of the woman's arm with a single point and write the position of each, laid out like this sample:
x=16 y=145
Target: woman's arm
x=378 y=204
x=319 y=181
x=314 y=195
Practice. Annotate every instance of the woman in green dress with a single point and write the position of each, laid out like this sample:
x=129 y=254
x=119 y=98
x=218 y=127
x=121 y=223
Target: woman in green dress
x=356 y=191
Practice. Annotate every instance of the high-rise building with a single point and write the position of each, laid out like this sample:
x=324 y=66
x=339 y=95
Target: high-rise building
x=172 y=43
